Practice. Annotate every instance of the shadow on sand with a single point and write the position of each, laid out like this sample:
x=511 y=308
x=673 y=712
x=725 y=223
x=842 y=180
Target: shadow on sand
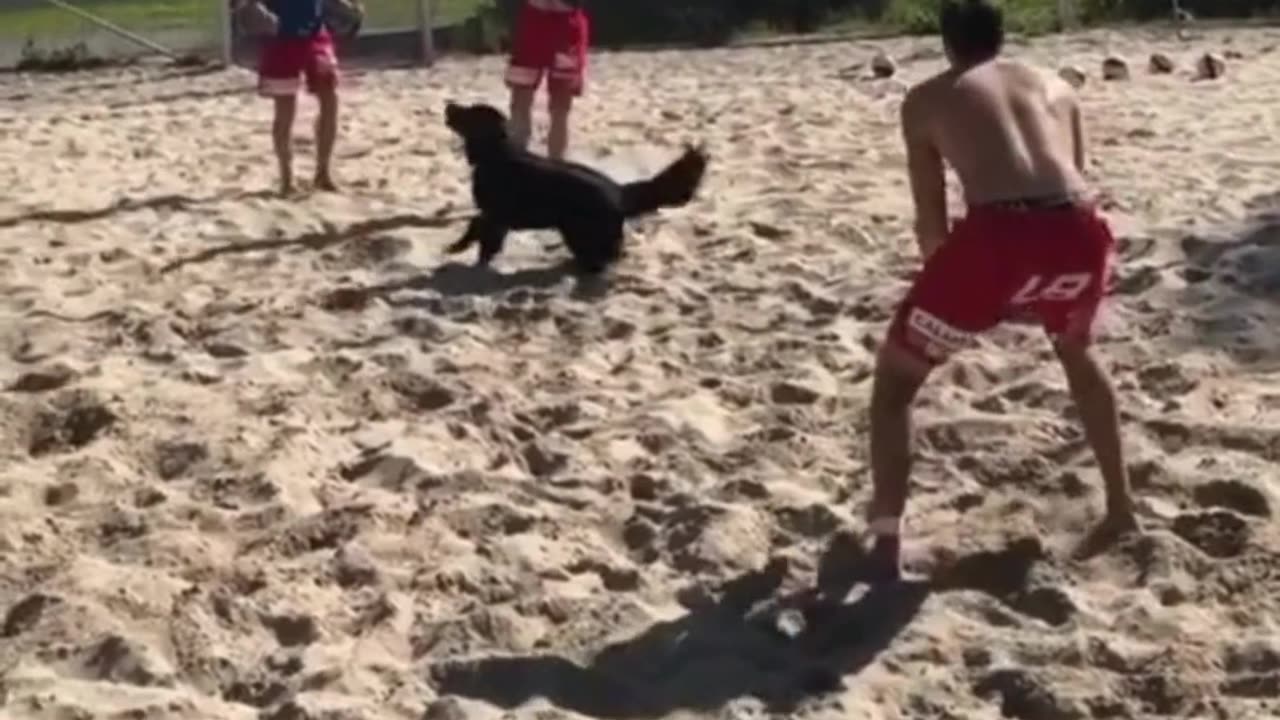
x=320 y=239
x=1233 y=286
x=723 y=649
x=453 y=280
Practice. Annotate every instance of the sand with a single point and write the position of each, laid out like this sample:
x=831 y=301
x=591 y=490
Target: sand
x=268 y=458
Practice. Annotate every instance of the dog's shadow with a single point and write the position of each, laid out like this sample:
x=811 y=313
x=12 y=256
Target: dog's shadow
x=459 y=280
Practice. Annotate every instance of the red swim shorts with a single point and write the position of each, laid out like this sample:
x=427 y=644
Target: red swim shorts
x=284 y=61
x=1051 y=265
x=553 y=42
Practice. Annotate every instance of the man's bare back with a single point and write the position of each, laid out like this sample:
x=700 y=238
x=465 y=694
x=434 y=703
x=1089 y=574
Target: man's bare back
x=1007 y=130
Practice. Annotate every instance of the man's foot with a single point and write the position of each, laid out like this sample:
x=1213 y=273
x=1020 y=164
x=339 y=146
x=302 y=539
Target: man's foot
x=1115 y=526
x=883 y=563
x=325 y=183
x=286 y=185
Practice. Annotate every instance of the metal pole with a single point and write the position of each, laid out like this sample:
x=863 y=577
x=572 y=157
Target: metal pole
x=426 y=24
x=110 y=27
x=228 y=36
x=1066 y=14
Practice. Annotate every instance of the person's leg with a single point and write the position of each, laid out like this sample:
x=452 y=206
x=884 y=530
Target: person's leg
x=898 y=378
x=322 y=81
x=520 y=123
x=958 y=294
x=1095 y=398
x=559 y=105
x=530 y=56
x=282 y=139
x=326 y=138
x=565 y=81
x=1068 y=306
x=279 y=74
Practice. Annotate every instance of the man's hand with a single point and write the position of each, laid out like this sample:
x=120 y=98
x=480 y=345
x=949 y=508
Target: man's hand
x=927 y=175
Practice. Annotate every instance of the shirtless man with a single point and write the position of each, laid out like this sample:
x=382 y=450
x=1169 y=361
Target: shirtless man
x=1031 y=244
x=551 y=38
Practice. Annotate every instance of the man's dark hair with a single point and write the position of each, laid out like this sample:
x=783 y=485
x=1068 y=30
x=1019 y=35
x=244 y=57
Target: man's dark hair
x=973 y=30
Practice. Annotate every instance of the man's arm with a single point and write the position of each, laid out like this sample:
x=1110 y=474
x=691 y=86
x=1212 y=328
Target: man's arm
x=1077 y=135
x=928 y=178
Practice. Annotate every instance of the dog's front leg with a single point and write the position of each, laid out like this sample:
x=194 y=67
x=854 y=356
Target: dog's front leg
x=492 y=238
x=469 y=238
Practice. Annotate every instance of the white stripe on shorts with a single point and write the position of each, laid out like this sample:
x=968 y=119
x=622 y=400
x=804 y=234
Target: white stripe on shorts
x=279 y=87
x=523 y=76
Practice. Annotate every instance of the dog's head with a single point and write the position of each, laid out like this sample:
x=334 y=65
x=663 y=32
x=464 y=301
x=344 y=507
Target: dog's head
x=476 y=123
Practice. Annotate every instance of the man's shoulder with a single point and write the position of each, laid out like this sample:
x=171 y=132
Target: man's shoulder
x=925 y=93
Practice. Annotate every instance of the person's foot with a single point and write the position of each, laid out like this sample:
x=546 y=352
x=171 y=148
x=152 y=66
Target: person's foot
x=1114 y=526
x=325 y=183
x=286 y=185
x=883 y=563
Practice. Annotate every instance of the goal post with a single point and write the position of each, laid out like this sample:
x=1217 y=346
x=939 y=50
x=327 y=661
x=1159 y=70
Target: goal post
x=226 y=31
x=426 y=30
x=1066 y=14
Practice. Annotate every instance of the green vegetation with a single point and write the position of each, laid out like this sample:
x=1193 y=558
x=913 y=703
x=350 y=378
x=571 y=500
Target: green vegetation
x=21 y=19
x=615 y=23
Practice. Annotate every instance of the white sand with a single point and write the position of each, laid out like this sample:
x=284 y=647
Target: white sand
x=237 y=489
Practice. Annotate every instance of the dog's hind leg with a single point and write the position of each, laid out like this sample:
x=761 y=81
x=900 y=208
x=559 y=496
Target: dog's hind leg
x=595 y=246
x=492 y=238
x=469 y=237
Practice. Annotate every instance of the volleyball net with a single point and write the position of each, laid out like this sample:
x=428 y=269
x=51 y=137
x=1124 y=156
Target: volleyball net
x=47 y=32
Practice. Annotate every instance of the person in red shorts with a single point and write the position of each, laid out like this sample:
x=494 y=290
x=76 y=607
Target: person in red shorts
x=551 y=38
x=1031 y=245
x=301 y=47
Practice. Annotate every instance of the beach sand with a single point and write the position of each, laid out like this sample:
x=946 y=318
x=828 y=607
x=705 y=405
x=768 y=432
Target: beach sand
x=265 y=458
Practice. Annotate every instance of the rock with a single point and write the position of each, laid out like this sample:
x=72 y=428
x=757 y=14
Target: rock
x=353 y=566
x=883 y=66
x=1115 y=68
x=1210 y=66
x=1074 y=76
x=1160 y=64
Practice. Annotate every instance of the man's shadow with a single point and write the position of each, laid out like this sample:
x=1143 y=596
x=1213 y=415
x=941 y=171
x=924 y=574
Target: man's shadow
x=743 y=644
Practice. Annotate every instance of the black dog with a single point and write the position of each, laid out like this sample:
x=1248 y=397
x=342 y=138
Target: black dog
x=517 y=190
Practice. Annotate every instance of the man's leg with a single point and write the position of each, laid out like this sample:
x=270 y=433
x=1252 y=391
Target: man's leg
x=322 y=81
x=559 y=105
x=282 y=139
x=326 y=137
x=279 y=78
x=1095 y=398
x=898 y=378
x=565 y=81
x=520 y=125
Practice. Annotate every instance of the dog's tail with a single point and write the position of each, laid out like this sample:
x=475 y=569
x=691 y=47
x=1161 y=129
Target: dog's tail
x=673 y=187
